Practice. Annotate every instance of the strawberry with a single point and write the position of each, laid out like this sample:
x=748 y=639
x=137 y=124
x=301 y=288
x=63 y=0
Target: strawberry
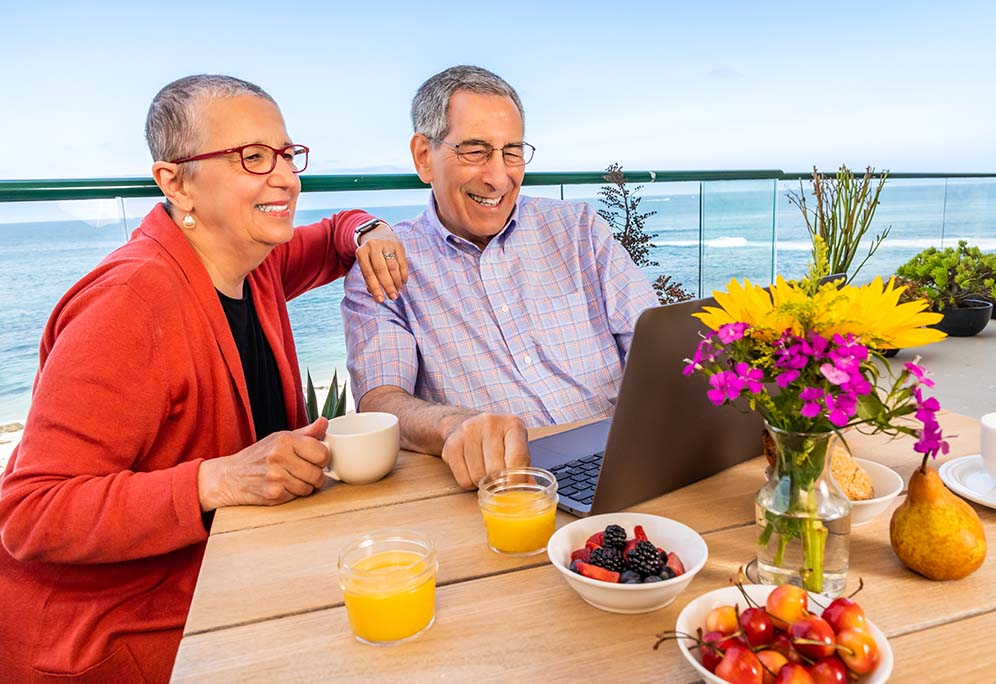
x=581 y=554
x=596 y=540
x=639 y=534
x=595 y=572
x=675 y=564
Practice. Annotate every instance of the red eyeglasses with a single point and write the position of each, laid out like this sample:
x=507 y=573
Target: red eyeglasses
x=258 y=158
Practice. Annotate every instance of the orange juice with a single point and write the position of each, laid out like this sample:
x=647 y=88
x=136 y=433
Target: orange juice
x=519 y=521
x=388 y=579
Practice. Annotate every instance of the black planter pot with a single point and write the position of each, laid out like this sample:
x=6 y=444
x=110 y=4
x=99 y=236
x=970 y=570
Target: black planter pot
x=966 y=320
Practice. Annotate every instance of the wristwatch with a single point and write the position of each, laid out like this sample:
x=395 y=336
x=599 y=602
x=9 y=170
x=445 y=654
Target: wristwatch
x=364 y=228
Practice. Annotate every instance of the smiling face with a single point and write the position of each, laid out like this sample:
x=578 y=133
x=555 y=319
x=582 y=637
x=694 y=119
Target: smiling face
x=473 y=201
x=245 y=214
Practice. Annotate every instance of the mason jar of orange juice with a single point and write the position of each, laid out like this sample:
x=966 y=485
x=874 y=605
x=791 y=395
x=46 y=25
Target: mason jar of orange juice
x=519 y=506
x=388 y=579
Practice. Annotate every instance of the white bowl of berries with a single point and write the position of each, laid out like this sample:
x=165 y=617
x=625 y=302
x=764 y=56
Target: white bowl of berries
x=644 y=564
x=779 y=628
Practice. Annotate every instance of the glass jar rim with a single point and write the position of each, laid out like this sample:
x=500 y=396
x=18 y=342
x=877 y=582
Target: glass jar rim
x=516 y=479
x=386 y=540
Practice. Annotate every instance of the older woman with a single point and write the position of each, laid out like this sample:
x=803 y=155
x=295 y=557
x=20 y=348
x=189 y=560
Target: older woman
x=168 y=386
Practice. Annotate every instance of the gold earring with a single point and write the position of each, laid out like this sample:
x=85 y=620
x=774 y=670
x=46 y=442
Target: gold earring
x=188 y=221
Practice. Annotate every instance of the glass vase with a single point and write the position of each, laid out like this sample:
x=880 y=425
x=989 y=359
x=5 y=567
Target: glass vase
x=803 y=517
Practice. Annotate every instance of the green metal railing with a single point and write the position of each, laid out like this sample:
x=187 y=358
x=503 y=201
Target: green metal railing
x=109 y=188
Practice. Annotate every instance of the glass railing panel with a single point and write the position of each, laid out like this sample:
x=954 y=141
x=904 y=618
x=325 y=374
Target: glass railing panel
x=673 y=226
x=738 y=222
x=970 y=213
x=914 y=208
x=46 y=247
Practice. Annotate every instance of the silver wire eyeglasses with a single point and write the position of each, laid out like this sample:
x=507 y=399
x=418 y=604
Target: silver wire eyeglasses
x=477 y=152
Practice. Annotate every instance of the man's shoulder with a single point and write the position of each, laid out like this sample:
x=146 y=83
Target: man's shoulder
x=547 y=206
x=557 y=217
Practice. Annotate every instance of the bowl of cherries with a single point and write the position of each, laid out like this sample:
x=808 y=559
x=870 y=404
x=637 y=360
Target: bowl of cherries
x=760 y=634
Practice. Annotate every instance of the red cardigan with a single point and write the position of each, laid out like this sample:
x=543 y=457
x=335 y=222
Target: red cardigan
x=139 y=380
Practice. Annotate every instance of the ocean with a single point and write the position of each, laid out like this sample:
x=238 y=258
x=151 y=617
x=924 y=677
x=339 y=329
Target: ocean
x=748 y=230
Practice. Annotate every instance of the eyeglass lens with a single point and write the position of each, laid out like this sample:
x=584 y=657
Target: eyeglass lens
x=478 y=153
x=262 y=159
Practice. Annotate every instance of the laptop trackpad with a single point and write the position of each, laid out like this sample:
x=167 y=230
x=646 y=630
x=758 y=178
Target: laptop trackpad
x=546 y=452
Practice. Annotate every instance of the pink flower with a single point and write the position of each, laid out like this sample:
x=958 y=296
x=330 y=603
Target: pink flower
x=787 y=378
x=919 y=374
x=834 y=374
x=731 y=332
x=752 y=377
x=726 y=386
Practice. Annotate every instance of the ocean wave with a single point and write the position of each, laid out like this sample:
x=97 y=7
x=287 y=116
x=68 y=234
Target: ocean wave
x=717 y=243
x=910 y=244
x=917 y=244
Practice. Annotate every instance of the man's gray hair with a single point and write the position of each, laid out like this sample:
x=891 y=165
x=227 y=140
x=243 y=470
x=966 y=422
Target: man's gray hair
x=431 y=105
x=173 y=128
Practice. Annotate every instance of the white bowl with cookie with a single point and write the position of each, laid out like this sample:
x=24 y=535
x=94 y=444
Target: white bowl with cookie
x=886 y=485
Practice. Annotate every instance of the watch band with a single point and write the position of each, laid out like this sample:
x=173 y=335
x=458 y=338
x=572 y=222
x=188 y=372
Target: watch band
x=364 y=228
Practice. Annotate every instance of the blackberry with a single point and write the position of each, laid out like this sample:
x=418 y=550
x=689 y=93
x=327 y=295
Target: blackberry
x=644 y=559
x=608 y=558
x=615 y=537
x=630 y=577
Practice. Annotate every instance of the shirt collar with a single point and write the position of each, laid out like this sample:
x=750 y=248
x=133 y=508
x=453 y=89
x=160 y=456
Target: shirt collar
x=456 y=240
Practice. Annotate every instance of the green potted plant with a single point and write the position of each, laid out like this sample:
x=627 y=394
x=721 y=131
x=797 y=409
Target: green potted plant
x=959 y=282
x=842 y=215
x=335 y=400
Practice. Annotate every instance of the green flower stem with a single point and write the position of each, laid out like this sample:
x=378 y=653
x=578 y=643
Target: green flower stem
x=801 y=459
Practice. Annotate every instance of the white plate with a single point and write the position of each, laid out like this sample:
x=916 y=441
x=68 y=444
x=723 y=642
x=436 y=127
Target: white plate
x=694 y=614
x=966 y=477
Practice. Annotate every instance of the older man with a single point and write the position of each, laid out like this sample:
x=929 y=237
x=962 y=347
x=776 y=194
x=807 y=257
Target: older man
x=522 y=309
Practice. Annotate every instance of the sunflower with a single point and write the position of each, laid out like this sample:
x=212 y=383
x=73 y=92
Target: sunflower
x=871 y=312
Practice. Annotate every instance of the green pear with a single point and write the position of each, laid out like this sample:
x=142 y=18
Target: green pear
x=934 y=532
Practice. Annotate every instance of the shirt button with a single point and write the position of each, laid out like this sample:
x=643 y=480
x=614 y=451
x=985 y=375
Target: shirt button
x=528 y=359
x=504 y=308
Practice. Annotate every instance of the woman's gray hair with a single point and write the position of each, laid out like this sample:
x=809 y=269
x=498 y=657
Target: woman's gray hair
x=173 y=128
x=430 y=107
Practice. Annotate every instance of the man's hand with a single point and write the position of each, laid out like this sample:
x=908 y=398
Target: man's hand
x=485 y=443
x=382 y=261
x=280 y=467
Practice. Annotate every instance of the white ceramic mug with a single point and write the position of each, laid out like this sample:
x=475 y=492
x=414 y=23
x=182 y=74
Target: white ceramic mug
x=363 y=447
x=987 y=443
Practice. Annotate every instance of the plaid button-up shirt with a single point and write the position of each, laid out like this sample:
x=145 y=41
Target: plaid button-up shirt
x=537 y=324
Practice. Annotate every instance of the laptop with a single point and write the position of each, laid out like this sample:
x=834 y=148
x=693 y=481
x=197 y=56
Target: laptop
x=664 y=434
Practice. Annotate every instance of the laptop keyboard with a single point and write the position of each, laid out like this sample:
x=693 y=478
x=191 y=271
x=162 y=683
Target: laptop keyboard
x=577 y=479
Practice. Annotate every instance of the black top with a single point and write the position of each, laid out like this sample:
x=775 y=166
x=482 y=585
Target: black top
x=266 y=395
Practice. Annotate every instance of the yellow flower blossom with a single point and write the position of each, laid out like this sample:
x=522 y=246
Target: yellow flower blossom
x=870 y=312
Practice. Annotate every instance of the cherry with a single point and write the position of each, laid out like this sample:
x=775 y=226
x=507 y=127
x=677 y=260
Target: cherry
x=772 y=662
x=843 y=613
x=813 y=637
x=757 y=626
x=830 y=670
x=722 y=619
x=794 y=673
x=709 y=650
x=740 y=666
x=783 y=645
x=786 y=604
x=858 y=650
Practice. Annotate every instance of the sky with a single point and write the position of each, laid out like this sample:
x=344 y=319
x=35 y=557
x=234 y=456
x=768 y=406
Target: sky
x=652 y=85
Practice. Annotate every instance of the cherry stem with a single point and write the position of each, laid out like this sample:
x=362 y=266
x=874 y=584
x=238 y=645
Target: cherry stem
x=861 y=585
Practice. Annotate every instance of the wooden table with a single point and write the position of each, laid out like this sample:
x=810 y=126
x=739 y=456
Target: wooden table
x=268 y=607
